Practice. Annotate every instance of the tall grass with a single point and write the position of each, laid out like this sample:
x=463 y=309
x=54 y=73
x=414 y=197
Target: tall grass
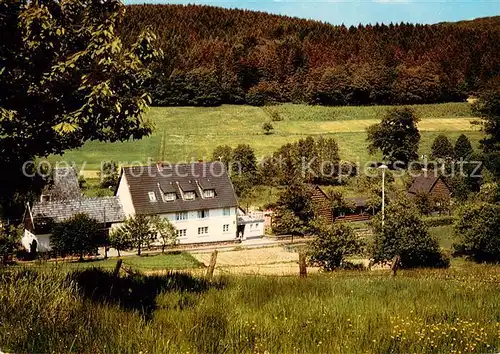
x=421 y=311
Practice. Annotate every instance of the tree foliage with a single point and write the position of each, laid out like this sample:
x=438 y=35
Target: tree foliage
x=488 y=108
x=333 y=243
x=405 y=234
x=80 y=235
x=109 y=175
x=396 y=136
x=260 y=58
x=295 y=209
x=66 y=77
x=136 y=232
x=165 y=232
x=463 y=148
x=477 y=230
x=10 y=238
x=442 y=147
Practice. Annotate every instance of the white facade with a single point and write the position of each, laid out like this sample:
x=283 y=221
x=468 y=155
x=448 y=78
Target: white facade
x=123 y=193
x=43 y=241
x=211 y=225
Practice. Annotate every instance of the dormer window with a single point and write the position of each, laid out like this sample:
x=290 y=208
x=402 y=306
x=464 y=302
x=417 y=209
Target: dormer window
x=170 y=197
x=45 y=198
x=189 y=195
x=152 y=197
x=208 y=193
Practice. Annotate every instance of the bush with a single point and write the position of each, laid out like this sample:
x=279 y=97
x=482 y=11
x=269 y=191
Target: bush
x=80 y=235
x=405 y=234
x=267 y=128
x=333 y=244
x=477 y=230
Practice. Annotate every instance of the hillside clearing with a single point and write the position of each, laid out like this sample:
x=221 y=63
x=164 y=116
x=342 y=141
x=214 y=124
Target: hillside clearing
x=191 y=133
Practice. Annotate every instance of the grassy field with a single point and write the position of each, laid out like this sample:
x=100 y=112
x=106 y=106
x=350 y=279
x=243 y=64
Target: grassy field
x=420 y=311
x=187 y=133
x=144 y=263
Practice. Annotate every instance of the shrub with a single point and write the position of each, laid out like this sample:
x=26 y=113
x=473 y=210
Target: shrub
x=80 y=235
x=405 y=234
x=333 y=244
x=477 y=230
x=267 y=128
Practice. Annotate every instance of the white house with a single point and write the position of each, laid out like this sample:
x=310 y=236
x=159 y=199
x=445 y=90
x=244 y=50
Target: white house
x=197 y=198
x=60 y=200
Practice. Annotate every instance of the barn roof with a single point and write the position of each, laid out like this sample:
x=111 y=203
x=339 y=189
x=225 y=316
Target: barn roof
x=179 y=179
x=107 y=209
x=423 y=183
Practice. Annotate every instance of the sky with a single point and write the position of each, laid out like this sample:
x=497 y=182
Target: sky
x=353 y=12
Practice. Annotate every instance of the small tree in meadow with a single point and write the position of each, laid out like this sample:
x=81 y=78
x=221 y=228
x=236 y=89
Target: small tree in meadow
x=333 y=244
x=396 y=136
x=79 y=235
x=164 y=230
x=267 y=128
x=477 y=229
x=404 y=234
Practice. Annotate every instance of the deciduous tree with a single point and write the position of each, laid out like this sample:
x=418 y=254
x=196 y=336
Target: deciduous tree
x=396 y=136
x=442 y=147
x=333 y=243
x=404 y=234
x=66 y=78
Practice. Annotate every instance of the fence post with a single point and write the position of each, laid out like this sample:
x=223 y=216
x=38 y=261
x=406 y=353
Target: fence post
x=211 y=266
x=302 y=265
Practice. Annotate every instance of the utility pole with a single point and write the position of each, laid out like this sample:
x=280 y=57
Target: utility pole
x=383 y=167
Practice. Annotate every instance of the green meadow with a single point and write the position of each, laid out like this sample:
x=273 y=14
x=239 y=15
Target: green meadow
x=191 y=133
x=456 y=310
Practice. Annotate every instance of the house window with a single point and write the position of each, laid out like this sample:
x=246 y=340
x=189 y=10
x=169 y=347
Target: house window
x=203 y=230
x=189 y=195
x=225 y=228
x=208 y=193
x=45 y=198
x=169 y=197
x=181 y=216
x=181 y=233
x=226 y=211
x=152 y=197
x=202 y=214
x=256 y=225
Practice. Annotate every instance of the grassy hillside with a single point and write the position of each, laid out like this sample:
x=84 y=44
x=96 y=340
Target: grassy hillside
x=422 y=311
x=186 y=133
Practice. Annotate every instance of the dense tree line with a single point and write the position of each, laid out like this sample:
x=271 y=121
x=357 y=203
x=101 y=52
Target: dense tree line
x=215 y=55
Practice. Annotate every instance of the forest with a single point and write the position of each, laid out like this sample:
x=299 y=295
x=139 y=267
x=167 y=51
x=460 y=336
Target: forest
x=214 y=56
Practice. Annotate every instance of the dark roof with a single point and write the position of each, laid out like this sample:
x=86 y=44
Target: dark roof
x=358 y=201
x=64 y=184
x=107 y=209
x=179 y=179
x=423 y=183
